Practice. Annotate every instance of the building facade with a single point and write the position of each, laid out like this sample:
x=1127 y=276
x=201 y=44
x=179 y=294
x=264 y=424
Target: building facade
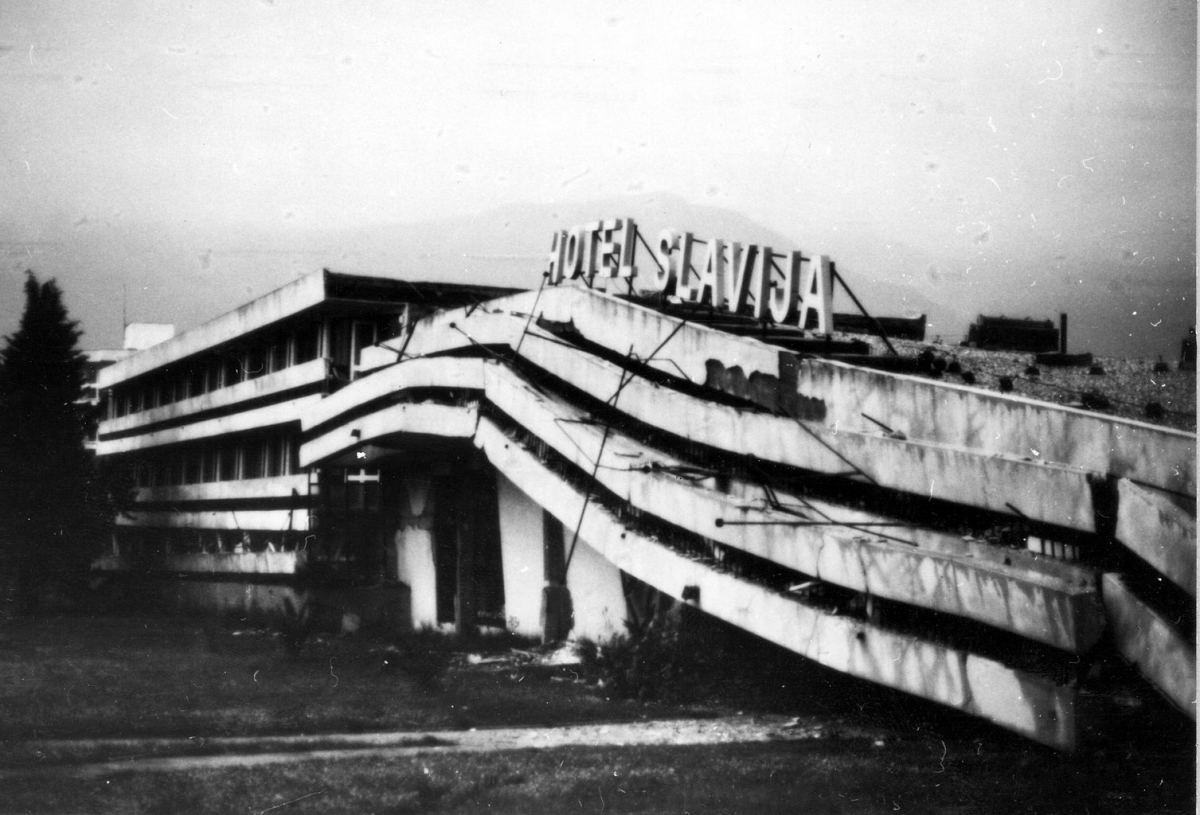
x=458 y=456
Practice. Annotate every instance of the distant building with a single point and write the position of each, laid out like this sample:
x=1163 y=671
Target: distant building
x=1007 y=333
x=1187 y=351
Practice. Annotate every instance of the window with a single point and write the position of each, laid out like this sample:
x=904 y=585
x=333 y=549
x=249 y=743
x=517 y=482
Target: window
x=228 y=467
x=231 y=364
x=211 y=466
x=277 y=457
x=364 y=337
x=256 y=362
x=193 y=468
x=308 y=343
x=252 y=460
x=195 y=383
x=278 y=354
x=213 y=375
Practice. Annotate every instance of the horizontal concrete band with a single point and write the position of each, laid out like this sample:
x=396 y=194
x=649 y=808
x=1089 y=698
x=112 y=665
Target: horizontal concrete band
x=1032 y=604
x=1054 y=494
x=1152 y=644
x=1027 y=487
x=1016 y=700
x=261 y=520
x=1029 y=602
x=966 y=681
x=934 y=411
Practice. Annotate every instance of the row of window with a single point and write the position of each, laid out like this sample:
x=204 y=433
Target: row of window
x=229 y=461
x=134 y=542
x=222 y=369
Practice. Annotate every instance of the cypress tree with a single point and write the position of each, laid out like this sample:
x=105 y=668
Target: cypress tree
x=47 y=509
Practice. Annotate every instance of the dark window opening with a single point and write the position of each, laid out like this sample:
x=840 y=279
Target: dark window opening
x=308 y=343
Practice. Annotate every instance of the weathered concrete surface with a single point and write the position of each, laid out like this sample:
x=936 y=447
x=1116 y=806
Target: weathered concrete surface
x=279 y=486
x=1023 y=481
x=270 y=520
x=1050 y=493
x=219 y=563
x=1013 y=699
x=1026 y=601
x=407 y=417
x=1151 y=643
x=1159 y=531
x=296 y=376
x=521 y=551
x=935 y=411
x=992 y=422
x=291 y=299
x=446 y=372
x=274 y=415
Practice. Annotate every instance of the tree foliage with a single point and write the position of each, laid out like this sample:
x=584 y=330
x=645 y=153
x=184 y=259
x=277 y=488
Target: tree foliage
x=50 y=508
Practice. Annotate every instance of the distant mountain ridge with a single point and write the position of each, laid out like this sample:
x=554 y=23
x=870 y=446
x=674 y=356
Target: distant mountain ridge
x=1112 y=312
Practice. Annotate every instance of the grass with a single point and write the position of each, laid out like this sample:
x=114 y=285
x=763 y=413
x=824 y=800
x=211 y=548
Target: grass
x=829 y=776
x=863 y=750
x=95 y=677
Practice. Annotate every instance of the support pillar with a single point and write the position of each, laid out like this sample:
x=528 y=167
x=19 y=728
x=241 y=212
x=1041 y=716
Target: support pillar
x=413 y=542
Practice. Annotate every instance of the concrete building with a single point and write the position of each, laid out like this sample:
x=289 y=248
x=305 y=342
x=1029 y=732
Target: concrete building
x=460 y=456
x=138 y=337
x=209 y=424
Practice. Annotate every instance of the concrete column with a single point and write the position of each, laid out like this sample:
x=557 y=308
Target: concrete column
x=596 y=594
x=414 y=549
x=521 y=556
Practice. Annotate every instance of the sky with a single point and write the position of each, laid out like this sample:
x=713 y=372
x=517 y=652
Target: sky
x=167 y=161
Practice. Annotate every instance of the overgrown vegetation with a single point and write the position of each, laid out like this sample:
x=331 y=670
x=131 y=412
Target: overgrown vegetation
x=683 y=656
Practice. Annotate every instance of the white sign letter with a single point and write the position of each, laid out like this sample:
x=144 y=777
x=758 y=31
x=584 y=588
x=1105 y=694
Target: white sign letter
x=818 y=293
x=783 y=295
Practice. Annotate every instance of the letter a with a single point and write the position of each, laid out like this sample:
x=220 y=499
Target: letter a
x=818 y=293
x=712 y=275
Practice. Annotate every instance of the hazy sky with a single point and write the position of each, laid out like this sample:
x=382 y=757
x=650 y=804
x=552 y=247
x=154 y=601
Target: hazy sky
x=931 y=141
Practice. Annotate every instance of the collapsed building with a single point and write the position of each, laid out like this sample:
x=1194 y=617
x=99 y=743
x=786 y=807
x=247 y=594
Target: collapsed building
x=461 y=456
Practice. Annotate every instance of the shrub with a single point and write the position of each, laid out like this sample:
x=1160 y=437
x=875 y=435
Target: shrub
x=664 y=661
x=424 y=656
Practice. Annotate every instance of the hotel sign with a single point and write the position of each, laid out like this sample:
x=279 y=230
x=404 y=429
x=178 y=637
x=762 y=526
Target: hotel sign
x=725 y=274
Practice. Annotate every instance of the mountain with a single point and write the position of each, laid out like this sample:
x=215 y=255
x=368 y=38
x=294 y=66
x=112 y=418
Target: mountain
x=1114 y=310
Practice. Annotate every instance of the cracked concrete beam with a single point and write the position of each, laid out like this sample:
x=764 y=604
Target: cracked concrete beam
x=1161 y=532
x=1055 y=611
x=1151 y=644
x=1017 y=700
